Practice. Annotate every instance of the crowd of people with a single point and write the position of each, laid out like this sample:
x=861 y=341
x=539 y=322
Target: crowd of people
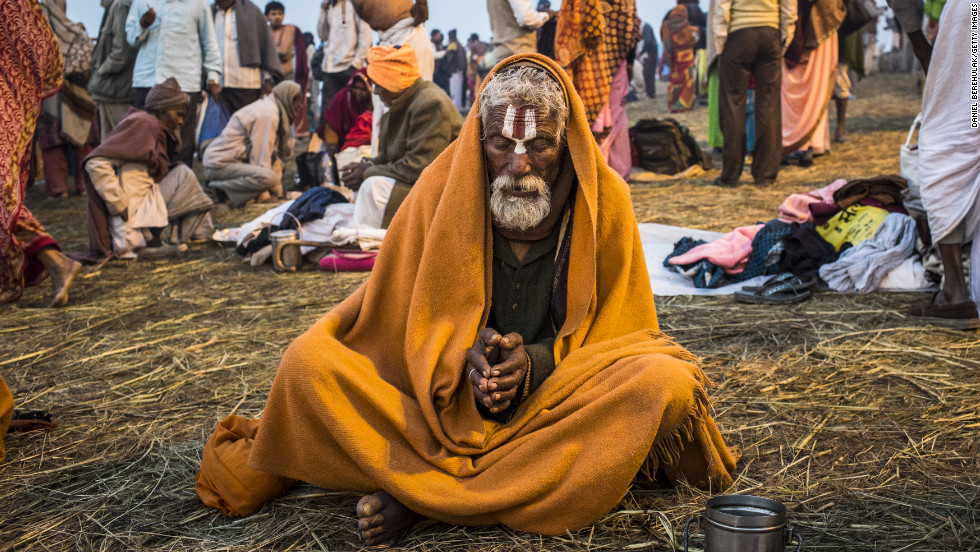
x=504 y=356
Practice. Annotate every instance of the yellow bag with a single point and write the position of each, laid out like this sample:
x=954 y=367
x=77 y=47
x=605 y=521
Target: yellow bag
x=852 y=225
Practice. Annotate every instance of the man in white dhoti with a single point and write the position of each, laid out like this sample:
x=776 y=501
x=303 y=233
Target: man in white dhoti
x=949 y=166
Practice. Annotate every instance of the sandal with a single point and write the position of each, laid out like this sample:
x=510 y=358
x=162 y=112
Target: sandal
x=959 y=316
x=771 y=281
x=785 y=290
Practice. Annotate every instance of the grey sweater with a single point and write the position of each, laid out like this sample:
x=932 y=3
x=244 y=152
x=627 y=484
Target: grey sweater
x=114 y=58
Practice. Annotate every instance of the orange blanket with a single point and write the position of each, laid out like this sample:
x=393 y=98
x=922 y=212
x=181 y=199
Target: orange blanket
x=374 y=396
x=6 y=413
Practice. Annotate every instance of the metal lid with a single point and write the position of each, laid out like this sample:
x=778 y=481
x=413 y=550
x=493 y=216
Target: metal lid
x=745 y=511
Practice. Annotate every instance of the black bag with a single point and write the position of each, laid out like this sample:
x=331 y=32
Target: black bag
x=316 y=168
x=665 y=146
x=859 y=13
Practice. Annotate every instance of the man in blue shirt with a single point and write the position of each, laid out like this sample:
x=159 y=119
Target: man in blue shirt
x=175 y=38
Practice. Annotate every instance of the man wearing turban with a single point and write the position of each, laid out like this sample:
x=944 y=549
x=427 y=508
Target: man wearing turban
x=139 y=185
x=244 y=163
x=420 y=123
x=503 y=362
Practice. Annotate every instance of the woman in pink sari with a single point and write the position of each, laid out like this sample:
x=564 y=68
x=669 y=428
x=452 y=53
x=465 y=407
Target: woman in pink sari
x=809 y=70
x=30 y=69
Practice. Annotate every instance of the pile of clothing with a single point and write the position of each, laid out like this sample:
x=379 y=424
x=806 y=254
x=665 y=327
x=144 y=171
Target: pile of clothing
x=855 y=236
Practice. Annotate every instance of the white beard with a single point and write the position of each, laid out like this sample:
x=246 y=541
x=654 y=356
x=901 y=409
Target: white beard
x=519 y=213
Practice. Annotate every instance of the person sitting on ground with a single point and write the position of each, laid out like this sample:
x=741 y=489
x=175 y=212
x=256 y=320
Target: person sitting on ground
x=137 y=187
x=420 y=123
x=350 y=109
x=503 y=362
x=245 y=161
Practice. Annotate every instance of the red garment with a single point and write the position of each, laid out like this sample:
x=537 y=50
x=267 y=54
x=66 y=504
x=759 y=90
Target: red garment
x=30 y=69
x=360 y=135
x=343 y=111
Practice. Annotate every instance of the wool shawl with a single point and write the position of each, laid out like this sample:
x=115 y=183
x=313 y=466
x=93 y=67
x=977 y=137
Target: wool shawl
x=375 y=395
x=138 y=138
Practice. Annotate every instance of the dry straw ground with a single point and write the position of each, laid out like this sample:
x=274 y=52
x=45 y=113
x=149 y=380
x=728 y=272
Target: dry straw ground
x=861 y=421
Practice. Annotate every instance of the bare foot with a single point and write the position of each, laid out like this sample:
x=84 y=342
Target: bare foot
x=381 y=520
x=61 y=278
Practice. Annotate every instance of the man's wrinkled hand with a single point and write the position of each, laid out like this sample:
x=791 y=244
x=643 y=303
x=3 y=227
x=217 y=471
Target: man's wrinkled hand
x=214 y=88
x=496 y=366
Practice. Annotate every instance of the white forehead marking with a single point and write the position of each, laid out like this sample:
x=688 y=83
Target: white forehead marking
x=530 y=128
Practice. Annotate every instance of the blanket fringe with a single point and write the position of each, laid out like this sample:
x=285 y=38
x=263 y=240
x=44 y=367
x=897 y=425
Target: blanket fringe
x=668 y=449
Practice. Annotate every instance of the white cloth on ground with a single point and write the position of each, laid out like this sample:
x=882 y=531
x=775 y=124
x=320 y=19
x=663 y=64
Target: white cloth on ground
x=861 y=268
x=658 y=242
x=949 y=166
x=319 y=230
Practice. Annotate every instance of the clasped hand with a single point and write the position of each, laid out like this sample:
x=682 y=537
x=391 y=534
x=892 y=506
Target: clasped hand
x=496 y=367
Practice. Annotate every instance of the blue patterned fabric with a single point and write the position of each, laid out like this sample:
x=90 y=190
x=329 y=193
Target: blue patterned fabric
x=767 y=249
x=759 y=262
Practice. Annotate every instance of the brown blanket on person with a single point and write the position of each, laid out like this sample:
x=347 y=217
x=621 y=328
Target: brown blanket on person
x=375 y=395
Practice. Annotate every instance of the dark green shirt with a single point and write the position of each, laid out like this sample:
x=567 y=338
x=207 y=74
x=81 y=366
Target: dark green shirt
x=520 y=302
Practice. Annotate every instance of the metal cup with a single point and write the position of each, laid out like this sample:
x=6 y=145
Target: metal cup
x=286 y=255
x=744 y=523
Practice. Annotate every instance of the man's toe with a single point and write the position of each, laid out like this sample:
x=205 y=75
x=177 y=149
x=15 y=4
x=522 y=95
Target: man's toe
x=368 y=523
x=368 y=506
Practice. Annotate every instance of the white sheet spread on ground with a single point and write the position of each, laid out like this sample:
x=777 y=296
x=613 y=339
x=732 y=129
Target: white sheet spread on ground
x=658 y=242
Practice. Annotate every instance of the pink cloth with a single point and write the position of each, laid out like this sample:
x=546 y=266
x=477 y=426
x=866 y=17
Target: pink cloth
x=796 y=208
x=805 y=94
x=615 y=147
x=730 y=251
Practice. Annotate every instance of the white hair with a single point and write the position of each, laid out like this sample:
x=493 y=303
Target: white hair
x=528 y=87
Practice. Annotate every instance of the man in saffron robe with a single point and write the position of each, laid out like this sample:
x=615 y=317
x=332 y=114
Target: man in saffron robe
x=502 y=361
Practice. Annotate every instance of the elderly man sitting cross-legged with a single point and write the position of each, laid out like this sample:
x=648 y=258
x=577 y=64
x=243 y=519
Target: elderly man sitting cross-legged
x=503 y=363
